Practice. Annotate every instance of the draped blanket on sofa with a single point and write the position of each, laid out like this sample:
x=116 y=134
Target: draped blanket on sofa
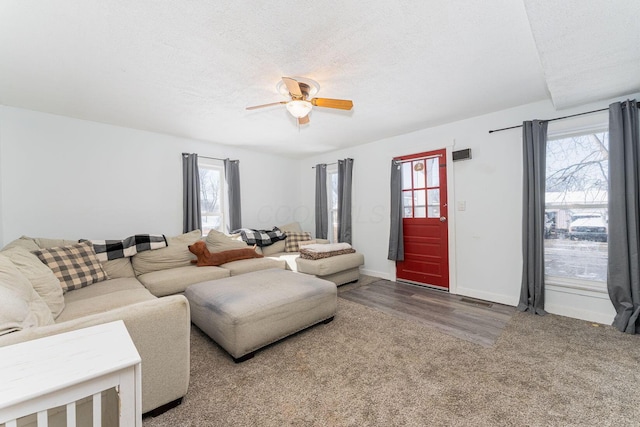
x=113 y=249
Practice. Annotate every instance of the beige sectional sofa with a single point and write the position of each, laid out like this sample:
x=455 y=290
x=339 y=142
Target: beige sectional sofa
x=141 y=291
x=144 y=291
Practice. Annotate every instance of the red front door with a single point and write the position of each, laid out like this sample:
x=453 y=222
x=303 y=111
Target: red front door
x=424 y=196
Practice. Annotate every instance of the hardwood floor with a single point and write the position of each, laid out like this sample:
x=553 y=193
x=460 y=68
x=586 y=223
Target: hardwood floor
x=480 y=322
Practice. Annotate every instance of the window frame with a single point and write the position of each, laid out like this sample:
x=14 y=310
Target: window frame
x=217 y=165
x=586 y=287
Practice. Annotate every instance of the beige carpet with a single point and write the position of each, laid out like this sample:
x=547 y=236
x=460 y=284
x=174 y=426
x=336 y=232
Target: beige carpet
x=369 y=368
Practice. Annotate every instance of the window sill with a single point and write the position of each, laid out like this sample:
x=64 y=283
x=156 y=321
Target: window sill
x=578 y=287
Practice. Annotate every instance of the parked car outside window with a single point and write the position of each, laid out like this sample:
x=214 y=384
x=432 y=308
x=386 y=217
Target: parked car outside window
x=588 y=226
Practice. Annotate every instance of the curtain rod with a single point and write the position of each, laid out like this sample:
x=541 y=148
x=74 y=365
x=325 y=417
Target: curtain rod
x=559 y=118
x=334 y=163
x=215 y=158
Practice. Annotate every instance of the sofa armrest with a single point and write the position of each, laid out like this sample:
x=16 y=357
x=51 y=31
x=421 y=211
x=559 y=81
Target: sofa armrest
x=160 y=330
x=322 y=241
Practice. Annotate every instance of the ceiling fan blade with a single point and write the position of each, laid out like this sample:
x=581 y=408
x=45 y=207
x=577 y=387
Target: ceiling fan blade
x=303 y=120
x=292 y=86
x=266 y=105
x=342 y=104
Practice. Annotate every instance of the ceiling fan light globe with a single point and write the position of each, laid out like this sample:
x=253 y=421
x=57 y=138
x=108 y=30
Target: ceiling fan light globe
x=299 y=108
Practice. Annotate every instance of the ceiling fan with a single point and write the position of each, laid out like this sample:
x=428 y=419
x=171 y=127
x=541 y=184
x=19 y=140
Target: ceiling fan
x=301 y=91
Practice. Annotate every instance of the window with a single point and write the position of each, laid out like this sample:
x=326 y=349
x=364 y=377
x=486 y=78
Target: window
x=420 y=188
x=212 y=195
x=576 y=210
x=332 y=177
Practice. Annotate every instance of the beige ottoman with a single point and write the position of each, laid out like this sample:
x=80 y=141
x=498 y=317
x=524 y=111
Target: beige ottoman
x=339 y=269
x=246 y=312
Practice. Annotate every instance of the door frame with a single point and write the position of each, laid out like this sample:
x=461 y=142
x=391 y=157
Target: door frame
x=451 y=211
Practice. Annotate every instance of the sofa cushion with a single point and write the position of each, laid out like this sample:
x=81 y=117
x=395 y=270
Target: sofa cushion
x=262 y=237
x=292 y=227
x=24 y=242
x=22 y=307
x=292 y=242
x=217 y=242
x=326 y=266
x=117 y=268
x=104 y=296
x=76 y=266
x=176 y=280
x=236 y=268
x=45 y=283
x=176 y=254
x=288 y=257
x=45 y=243
x=273 y=249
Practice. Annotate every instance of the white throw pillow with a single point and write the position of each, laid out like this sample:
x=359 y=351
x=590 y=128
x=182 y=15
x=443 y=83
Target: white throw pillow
x=21 y=306
x=218 y=242
x=291 y=227
x=41 y=277
x=24 y=242
x=176 y=254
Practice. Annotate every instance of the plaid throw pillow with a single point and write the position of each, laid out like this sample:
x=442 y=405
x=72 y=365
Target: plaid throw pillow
x=292 y=244
x=261 y=237
x=76 y=266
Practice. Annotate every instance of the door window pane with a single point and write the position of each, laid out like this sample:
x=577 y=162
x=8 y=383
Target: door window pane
x=434 y=202
x=407 y=203
x=418 y=174
x=419 y=204
x=433 y=172
x=576 y=207
x=406 y=176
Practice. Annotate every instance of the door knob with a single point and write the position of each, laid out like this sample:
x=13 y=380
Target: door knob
x=443 y=218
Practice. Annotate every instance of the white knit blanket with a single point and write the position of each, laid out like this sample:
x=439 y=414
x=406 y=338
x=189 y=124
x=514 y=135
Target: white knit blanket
x=326 y=247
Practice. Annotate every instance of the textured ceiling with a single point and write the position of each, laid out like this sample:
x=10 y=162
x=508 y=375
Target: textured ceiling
x=189 y=68
x=589 y=50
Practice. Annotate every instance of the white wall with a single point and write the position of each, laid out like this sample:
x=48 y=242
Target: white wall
x=485 y=239
x=1 y=204
x=63 y=177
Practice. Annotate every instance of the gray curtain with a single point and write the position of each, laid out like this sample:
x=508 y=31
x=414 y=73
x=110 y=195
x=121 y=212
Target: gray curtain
x=534 y=152
x=191 y=217
x=396 y=236
x=623 y=281
x=322 y=208
x=232 y=176
x=345 y=172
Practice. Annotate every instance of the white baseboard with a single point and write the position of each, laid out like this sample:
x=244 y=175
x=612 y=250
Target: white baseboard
x=486 y=296
x=374 y=273
x=590 y=316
